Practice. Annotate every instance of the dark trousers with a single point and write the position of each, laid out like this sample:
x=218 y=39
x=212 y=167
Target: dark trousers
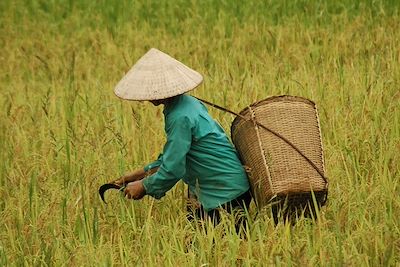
x=236 y=207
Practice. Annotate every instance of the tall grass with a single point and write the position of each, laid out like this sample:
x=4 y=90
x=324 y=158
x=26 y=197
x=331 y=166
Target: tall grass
x=63 y=132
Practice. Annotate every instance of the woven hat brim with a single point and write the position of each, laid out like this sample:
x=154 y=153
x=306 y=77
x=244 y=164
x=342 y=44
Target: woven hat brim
x=157 y=76
x=156 y=97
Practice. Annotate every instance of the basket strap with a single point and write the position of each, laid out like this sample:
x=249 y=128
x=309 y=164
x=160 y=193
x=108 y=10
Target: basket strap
x=269 y=130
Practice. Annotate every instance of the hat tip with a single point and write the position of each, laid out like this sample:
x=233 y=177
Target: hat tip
x=153 y=49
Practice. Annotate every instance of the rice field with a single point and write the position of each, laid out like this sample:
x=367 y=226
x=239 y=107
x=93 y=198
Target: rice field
x=64 y=133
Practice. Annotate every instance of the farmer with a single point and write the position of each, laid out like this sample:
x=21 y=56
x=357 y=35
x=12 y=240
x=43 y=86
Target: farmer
x=197 y=149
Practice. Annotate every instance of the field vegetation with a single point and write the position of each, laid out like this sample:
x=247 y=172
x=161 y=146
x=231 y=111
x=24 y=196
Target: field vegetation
x=63 y=132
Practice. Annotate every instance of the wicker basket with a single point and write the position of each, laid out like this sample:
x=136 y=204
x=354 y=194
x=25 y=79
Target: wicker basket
x=277 y=168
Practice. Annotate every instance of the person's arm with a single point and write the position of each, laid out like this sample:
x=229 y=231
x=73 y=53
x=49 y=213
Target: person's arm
x=136 y=175
x=154 y=164
x=173 y=166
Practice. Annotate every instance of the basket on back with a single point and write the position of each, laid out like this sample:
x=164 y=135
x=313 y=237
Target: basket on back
x=279 y=168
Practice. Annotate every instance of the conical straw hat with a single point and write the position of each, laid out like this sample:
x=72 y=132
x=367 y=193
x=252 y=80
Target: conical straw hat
x=156 y=75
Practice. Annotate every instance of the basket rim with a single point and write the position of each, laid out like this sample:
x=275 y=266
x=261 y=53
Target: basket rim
x=272 y=99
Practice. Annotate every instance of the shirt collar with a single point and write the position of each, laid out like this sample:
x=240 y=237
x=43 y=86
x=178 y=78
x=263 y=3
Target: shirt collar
x=170 y=106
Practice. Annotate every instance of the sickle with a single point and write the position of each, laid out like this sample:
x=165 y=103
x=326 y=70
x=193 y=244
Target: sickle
x=105 y=187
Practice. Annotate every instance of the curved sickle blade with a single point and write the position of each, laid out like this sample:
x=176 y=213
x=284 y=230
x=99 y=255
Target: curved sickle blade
x=105 y=187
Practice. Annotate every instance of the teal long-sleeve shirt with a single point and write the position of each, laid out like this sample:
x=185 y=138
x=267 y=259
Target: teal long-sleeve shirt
x=198 y=152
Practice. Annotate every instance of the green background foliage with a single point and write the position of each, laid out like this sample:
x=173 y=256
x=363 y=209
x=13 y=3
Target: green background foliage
x=63 y=132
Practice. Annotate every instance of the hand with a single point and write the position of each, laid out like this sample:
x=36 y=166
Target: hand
x=121 y=181
x=135 y=190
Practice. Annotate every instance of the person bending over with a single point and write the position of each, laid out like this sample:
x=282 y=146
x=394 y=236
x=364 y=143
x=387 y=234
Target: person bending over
x=197 y=149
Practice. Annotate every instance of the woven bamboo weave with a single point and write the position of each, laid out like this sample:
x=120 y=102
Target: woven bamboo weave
x=275 y=167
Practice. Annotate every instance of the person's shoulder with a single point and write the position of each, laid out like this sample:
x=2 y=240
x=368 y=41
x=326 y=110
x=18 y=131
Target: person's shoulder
x=178 y=118
x=186 y=108
x=189 y=100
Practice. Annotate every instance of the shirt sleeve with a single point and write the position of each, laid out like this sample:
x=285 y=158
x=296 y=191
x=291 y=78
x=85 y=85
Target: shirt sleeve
x=154 y=164
x=173 y=163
